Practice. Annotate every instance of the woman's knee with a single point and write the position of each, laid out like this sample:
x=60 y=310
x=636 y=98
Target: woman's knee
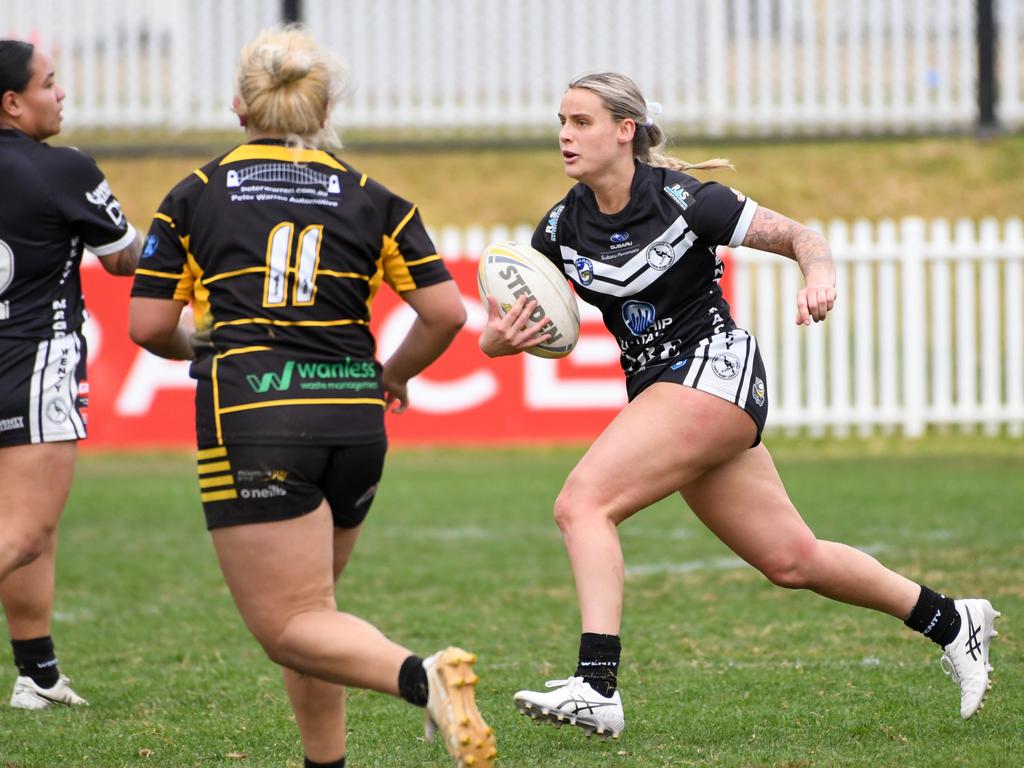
x=27 y=545
x=574 y=505
x=791 y=565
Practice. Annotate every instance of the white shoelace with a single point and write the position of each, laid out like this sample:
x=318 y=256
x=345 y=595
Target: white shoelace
x=573 y=682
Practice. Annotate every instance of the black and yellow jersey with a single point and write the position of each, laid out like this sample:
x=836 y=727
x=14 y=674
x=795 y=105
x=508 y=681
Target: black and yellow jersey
x=281 y=251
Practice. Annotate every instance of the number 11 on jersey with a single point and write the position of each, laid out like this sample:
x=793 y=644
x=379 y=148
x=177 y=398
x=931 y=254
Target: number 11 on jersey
x=279 y=251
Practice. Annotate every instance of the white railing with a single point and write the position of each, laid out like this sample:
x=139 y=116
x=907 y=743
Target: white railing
x=928 y=329
x=750 y=67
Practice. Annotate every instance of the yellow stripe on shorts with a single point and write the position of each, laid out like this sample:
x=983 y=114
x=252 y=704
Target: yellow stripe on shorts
x=224 y=495
x=211 y=453
x=216 y=480
x=219 y=466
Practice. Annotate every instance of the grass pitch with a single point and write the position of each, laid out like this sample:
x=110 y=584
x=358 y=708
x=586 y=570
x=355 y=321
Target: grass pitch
x=720 y=668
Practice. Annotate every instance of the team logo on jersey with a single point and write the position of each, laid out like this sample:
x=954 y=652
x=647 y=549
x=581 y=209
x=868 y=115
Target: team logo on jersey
x=660 y=255
x=151 y=245
x=585 y=268
x=620 y=237
x=726 y=365
x=57 y=411
x=758 y=391
x=679 y=196
x=638 y=316
x=551 y=230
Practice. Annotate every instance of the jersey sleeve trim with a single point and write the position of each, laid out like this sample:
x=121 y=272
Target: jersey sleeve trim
x=165 y=217
x=198 y=172
x=424 y=260
x=403 y=222
x=746 y=216
x=154 y=273
x=118 y=245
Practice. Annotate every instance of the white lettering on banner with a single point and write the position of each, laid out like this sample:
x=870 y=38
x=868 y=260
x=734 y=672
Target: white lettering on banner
x=147 y=376
x=440 y=397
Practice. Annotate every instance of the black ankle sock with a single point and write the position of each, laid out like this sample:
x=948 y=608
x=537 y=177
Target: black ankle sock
x=35 y=658
x=599 y=661
x=339 y=763
x=935 y=616
x=412 y=681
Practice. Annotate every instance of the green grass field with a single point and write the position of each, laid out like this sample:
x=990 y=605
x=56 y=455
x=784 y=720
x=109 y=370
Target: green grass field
x=719 y=668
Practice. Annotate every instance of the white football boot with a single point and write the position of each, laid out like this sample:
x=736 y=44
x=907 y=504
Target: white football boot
x=28 y=695
x=966 y=658
x=451 y=709
x=574 y=702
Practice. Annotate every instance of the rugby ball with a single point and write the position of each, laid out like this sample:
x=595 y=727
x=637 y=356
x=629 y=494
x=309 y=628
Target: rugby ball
x=509 y=270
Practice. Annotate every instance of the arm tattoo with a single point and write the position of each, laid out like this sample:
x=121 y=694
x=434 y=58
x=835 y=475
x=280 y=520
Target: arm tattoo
x=773 y=232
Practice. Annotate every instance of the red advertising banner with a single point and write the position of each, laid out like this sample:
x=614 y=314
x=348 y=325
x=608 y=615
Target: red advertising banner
x=139 y=400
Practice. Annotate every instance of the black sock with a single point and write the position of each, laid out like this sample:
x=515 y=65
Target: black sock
x=339 y=763
x=412 y=681
x=35 y=658
x=599 y=661
x=935 y=617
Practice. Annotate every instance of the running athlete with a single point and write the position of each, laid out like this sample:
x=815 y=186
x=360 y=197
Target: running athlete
x=637 y=236
x=281 y=247
x=55 y=203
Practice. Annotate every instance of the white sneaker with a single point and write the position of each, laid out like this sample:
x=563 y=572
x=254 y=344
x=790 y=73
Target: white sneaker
x=574 y=702
x=28 y=695
x=966 y=658
x=451 y=709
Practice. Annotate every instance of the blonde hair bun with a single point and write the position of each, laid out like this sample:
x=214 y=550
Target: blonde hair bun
x=287 y=85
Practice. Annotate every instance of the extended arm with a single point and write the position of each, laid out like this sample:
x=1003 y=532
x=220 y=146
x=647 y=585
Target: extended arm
x=157 y=325
x=771 y=231
x=439 y=316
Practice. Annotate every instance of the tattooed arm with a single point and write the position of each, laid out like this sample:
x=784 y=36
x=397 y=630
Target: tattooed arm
x=771 y=231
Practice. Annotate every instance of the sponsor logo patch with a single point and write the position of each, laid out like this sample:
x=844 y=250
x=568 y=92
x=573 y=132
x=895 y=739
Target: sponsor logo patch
x=151 y=245
x=638 y=316
x=15 y=422
x=551 y=230
x=679 y=196
x=620 y=237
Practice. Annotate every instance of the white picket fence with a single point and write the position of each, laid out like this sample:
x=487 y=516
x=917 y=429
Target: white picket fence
x=750 y=67
x=928 y=330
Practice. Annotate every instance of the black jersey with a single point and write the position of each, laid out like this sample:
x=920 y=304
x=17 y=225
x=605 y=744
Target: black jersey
x=281 y=252
x=651 y=268
x=55 y=201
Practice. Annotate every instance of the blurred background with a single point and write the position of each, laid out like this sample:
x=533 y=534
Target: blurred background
x=894 y=126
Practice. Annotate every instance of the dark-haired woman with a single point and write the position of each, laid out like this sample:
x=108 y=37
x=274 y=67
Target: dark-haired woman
x=55 y=203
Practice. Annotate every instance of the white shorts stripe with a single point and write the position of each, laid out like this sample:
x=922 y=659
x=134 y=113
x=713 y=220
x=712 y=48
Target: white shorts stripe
x=53 y=411
x=35 y=392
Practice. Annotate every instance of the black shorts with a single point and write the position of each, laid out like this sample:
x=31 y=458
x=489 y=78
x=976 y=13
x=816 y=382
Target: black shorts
x=243 y=484
x=727 y=365
x=43 y=390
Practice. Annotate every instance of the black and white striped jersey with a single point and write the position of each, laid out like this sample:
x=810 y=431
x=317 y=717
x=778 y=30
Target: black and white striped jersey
x=55 y=201
x=651 y=268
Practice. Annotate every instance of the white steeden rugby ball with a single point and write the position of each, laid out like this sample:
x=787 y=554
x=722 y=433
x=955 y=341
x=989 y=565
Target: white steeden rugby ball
x=510 y=270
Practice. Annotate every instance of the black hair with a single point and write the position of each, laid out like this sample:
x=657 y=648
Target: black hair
x=15 y=65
